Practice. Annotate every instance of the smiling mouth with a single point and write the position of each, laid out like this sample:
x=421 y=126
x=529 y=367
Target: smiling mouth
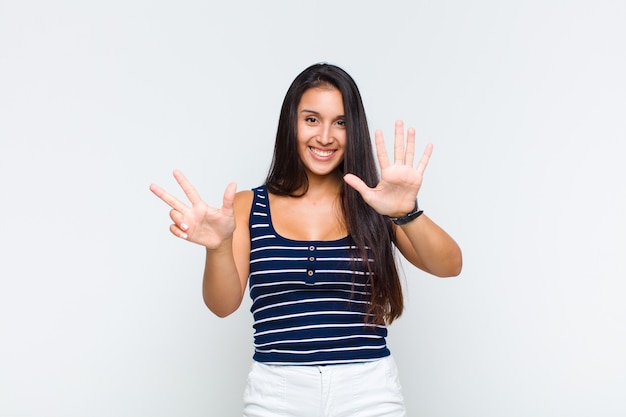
x=322 y=153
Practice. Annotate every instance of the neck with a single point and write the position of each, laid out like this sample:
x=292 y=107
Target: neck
x=324 y=185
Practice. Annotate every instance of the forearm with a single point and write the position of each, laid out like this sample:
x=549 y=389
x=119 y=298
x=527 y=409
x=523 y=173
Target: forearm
x=221 y=287
x=434 y=250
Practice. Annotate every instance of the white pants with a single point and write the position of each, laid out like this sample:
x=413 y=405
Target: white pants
x=369 y=389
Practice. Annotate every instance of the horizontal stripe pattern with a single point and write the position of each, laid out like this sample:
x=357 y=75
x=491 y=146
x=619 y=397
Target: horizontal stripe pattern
x=309 y=298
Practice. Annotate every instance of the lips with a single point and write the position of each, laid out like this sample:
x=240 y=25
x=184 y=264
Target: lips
x=322 y=153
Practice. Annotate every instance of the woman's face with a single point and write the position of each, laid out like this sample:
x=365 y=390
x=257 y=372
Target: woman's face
x=321 y=130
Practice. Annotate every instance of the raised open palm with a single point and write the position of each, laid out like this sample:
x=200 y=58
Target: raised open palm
x=199 y=223
x=395 y=194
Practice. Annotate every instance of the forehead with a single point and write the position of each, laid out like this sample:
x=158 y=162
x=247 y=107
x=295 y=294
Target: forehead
x=321 y=99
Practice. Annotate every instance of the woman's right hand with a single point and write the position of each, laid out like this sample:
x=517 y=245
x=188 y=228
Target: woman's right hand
x=200 y=223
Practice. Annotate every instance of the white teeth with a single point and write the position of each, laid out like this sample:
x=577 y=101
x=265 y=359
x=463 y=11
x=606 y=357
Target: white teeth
x=322 y=153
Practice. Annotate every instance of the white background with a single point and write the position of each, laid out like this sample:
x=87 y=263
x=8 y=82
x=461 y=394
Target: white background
x=525 y=102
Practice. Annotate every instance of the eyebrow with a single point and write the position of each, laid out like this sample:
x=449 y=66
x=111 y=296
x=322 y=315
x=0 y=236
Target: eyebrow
x=341 y=116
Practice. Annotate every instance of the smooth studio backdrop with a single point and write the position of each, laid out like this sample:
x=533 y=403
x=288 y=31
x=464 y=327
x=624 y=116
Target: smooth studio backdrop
x=100 y=307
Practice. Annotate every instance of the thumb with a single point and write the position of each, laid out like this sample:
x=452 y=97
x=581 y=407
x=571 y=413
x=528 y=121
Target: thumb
x=356 y=183
x=229 y=198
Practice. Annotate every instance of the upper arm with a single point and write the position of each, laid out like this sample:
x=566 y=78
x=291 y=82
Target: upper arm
x=241 y=235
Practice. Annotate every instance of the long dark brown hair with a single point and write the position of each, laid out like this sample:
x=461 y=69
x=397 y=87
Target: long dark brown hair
x=367 y=229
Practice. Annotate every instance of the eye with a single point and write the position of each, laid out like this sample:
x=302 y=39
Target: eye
x=341 y=123
x=310 y=119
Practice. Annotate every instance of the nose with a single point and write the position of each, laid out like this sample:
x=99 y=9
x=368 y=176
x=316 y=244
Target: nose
x=326 y=136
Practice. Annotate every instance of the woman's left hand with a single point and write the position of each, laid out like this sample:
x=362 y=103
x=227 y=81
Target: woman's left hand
x=395 y=194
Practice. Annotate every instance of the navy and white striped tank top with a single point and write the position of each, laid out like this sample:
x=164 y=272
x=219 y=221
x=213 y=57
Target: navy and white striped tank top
x=309 y=298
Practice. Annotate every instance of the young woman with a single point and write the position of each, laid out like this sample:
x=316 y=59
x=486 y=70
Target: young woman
x=315 y=243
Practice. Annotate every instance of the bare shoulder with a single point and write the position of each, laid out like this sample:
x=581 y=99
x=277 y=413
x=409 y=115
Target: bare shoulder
x=243 y=204
x=241 y=236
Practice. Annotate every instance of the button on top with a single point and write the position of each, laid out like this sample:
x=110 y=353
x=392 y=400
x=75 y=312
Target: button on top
x=311 y=272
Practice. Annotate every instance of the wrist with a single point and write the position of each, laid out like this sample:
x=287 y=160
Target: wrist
x=409 y=217
x=219 y=246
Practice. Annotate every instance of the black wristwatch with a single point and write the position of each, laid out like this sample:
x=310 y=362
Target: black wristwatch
x=414 y=214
